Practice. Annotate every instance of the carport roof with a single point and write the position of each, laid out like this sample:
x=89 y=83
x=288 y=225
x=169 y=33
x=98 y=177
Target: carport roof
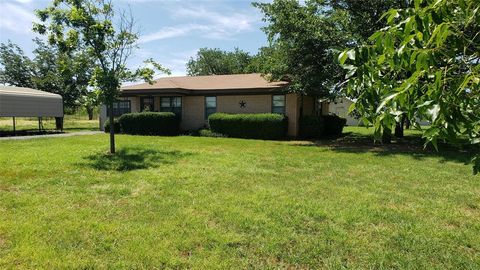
x=13 y=90
x=27 y=102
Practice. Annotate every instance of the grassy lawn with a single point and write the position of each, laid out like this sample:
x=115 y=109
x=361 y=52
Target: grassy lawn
x=72 y=123
x=193 y=202
x=364 y=131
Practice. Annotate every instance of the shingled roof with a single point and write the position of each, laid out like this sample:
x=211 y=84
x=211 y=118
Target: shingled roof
x=254 y=82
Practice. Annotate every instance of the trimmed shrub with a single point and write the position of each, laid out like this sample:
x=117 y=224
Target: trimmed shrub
x=150 y=123
x=311 y=127
x=116 y=126
x=333 y=125
x=250 y=126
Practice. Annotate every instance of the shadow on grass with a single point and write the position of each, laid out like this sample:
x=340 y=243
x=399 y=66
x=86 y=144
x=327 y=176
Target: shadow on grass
x=410 y=145
x=132 y=158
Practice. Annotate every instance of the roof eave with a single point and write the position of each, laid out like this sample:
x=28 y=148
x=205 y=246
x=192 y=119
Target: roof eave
x=202 y=92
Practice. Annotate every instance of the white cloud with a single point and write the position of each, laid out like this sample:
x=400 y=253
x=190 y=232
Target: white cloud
x=210 y=24
x=232 y=21
x=15 y=18
x=171 y=32
x=23 y=1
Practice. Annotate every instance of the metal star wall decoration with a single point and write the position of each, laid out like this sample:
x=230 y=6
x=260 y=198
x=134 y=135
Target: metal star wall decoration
x=242 y=104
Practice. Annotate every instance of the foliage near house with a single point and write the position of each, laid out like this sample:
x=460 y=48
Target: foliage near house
x=253 y=126
x=150 y=123
x=333 y=125
x=116 y=126
x=191 y=202
x=311 y=127
x=325 y=126
x=306 y=36
x=218 y=62
x=424 y=65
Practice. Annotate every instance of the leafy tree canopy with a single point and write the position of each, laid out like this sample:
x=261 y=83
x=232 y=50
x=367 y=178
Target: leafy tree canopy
x=365 y=15
x=218 y=62
x=424 y=64
x=306 y=38
x=17 y=69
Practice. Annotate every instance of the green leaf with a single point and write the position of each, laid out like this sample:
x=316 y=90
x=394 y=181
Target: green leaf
x=351 y=108
x=342 y=57
x=431 y=134
x=422 y=61
x=417 y=3
x=381 y=59
x=387 y=99
x=440 y=34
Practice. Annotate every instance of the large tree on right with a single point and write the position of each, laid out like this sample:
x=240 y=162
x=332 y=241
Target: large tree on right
x=425 y=65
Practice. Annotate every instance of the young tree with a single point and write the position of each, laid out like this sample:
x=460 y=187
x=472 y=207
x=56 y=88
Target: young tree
x=90 y=101
x=218 y=62
x=424 y=65
x=87 y=26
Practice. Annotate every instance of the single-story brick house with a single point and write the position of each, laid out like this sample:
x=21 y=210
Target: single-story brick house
x=194 y=98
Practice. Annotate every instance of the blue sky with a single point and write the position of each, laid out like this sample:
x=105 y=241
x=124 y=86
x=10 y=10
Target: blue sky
x=170 y=31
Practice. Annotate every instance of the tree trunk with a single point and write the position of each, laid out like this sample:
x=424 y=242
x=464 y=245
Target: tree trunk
x=387 y=135
x=112 y=129
x=301 y=106
x=399 y=129
x=90 y=113
x=59 y=123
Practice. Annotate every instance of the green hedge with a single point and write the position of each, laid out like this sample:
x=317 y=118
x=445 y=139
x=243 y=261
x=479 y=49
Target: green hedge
x=150 y=123
x=311 y=127
x=325 y=126
x=252 y=126
x=333 y=125
x=116 y=126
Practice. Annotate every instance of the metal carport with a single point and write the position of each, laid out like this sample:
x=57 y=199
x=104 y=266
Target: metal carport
x=27 y=102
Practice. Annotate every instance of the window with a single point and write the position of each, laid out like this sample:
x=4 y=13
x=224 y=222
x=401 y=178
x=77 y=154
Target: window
x=120 y=107
x=210 y=106
x=171 y=104
x=278 y=104
x=147 y=104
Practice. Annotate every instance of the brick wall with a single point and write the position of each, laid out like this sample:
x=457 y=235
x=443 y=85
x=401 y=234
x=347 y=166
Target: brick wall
x=193 y=112
x=253 y=104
